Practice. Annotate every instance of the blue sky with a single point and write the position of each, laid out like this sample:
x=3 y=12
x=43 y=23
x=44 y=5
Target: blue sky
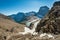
x=9 y=7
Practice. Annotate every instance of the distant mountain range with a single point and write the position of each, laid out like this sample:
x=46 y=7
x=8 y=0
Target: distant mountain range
x=20 y=16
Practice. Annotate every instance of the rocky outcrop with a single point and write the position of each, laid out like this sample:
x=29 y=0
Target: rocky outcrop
x=51 y=22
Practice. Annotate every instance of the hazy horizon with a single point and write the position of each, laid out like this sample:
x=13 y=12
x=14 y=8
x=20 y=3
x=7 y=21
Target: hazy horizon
x=9 y=7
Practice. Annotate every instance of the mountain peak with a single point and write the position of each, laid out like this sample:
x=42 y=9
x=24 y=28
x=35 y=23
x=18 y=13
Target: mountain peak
x=42 y=11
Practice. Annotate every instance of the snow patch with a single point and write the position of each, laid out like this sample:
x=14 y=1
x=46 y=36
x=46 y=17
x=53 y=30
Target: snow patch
x=45 y=34
x=32 y=31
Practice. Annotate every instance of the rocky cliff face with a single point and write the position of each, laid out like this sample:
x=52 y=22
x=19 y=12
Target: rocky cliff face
x=51 y=22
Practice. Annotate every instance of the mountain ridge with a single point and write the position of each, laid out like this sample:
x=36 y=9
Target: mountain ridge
x=24 y=16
